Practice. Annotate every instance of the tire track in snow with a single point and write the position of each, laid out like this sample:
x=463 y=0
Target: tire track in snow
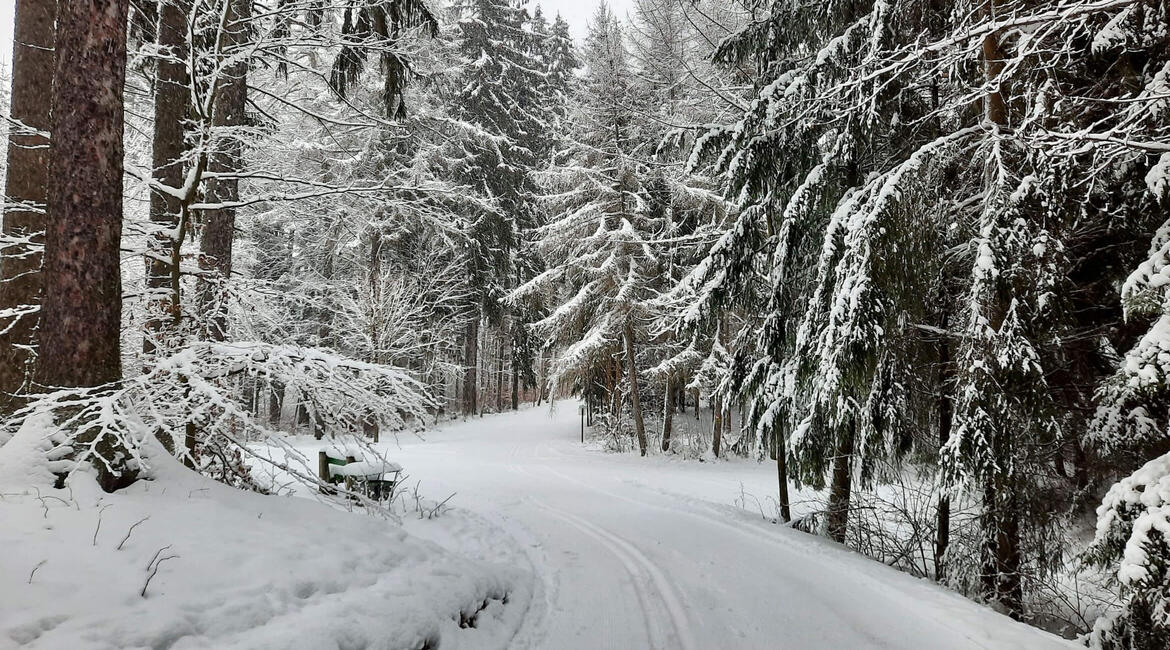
x=747 y=532
x=646 y=575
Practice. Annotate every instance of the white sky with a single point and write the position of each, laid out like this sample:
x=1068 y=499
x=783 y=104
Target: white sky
x=577 y=12
x=6 y=9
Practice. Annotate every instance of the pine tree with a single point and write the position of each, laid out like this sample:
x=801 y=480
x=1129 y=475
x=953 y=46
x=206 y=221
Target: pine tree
x=502 y=76
x=597 y=243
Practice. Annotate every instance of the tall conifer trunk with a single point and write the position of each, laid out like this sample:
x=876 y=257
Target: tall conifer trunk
x=219 y=224
x=470 y=363
x=28 y=168
x=945 y=417
x=1001 y=523
x=82 y=305
x=171 y=99
x=667 y=413
x=716 y=424
x=782 y=476
x=837 y=519
x=635 y=400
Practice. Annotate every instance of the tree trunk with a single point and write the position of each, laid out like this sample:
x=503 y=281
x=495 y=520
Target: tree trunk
x=837 y=518
x=1009 y=586
x=500 y=378
x=172 y=96
x=515 y=384
x=27 y=182
x=215 y=259
x=782 y=476
x=987 y=549
x=540 y=379
x=716 y=424
x=993 y=62
x=374 y=278
x=1001 y=533
x=470 y=363
x=275 y=403
x=82 y=305
x=667 y=414
x=635 y=401
x=945 y=416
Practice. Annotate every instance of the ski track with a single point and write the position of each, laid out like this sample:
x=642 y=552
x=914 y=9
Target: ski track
x=631 y=553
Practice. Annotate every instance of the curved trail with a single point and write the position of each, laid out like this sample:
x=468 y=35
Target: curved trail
x=631 y=553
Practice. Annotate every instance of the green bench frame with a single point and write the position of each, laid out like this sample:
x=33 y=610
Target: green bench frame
x=374 y=486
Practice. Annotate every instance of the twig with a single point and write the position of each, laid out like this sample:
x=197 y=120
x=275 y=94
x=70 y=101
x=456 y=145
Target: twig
x=99 y=523
x=34 y=571
x=156 y=554
x=155 y=572
x=131 y=530
x=441 y=504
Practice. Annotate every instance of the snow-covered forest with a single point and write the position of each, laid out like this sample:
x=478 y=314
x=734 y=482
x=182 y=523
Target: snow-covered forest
x=689 y=325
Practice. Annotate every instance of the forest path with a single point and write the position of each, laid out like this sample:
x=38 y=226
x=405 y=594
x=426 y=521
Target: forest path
x=631 y=553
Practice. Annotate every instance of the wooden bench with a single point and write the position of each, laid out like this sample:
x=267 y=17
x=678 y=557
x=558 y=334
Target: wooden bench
x=376 y=479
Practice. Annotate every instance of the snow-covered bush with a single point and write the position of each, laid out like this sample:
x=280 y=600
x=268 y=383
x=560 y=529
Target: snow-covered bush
x=192 y=401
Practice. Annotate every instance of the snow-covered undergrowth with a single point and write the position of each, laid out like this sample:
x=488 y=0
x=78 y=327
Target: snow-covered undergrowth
x=179 y=561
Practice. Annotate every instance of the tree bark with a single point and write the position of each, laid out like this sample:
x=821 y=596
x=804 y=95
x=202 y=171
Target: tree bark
x=470 y=362
x=515 y=384
x=716 y=424
x=782 y=476
x=667 y=414
x=82 y=305
x=171 y=100
x=945 y=417
x=837 y=519
x=27 y=182
x=500 y=378
x=275 y=403
x=215 y=259
x=635 y=401
x=374 y=278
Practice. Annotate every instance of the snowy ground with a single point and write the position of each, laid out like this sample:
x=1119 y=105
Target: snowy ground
x=551 y=545
x=652 y=553
x=227 y=569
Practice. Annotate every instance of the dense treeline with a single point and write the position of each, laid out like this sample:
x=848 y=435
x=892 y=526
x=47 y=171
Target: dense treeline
x=913 y=252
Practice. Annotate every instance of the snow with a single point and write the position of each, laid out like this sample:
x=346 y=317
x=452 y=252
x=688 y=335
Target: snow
x=592 y=549
x=365 y=468
x=629 y=552
x=233 y=570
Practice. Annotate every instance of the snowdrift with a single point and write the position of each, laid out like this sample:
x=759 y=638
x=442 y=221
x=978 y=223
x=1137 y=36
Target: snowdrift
x=180 y=562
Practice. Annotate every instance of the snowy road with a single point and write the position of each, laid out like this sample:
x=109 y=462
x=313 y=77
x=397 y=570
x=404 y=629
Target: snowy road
x=637 y=553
